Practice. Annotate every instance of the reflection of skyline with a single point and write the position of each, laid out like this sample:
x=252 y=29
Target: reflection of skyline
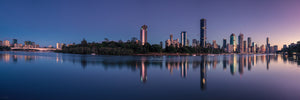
x=203 y=72
x=174 y=64
x=143 y=69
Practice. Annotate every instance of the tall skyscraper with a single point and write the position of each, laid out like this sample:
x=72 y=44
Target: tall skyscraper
x=245 y=46
x=143 y=36
x=249 y=45
x=241 y=44
x=233 y=41
x=0 y=43
x=224 y=43
x=203 y=33
x=267 y=45
x=183 y=38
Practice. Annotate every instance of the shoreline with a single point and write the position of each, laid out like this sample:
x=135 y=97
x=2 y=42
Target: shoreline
x=156 y=54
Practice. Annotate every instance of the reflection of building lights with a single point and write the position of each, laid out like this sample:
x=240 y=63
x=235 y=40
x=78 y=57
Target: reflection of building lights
x=143 y=71
x=184 y=69
x=57 y=59
x=6 y=57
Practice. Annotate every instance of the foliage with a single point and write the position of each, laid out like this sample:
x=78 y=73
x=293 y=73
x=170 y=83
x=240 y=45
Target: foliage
x=291 y=49
x=130 y=47
x=4 y=48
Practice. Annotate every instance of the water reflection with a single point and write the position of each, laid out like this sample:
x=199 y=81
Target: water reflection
x=178 y=64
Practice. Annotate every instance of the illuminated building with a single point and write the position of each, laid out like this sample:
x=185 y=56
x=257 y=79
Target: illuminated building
x=15 y=41
x=183 y=37
x=249 y=45
x=203 y=33
x=245 y=46
x=233 y=41
x=6 y=43
x=267 y=45
x=143 y=35
x=224 y=44
x=241 y=44
x=215 y=45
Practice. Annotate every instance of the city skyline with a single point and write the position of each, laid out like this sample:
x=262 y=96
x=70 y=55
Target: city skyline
x=50 y=22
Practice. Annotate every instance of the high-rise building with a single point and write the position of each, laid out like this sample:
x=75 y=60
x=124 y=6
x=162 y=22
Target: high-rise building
x=143 y=36
x=203 y=33
x=27 y=42
x=284 y=46
x=183 y=38
x=262 y=49
x=0 y=43
x=241 y=44
x=256 y=49
x=245 y=46
x=15 y=41
x=172 y=42
x=168 y=43
x=6 y=43
x=171 y=37
x=267 y=45
x=249 y=45
x=253 y=49
x=233 y=41
x=224 y=43
x=58 y=45
x=194 y=43
x=275 y=48
x=215 y=45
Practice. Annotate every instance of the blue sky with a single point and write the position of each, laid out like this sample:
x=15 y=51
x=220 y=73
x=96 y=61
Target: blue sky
x=47 y=22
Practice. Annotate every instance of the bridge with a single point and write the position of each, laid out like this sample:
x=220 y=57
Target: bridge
x=38 y=49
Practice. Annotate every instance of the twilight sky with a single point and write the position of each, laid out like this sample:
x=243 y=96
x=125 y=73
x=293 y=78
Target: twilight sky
x=47 y=22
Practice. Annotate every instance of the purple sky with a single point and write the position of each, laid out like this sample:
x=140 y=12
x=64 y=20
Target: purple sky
x=49 y=21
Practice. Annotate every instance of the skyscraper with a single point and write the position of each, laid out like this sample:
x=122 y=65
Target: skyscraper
x=143 y=36
x=183 y=38
x=253 y=49
x=224 y=43
x=15 y=41
x=232 y=41
x=241 y=44
x=245 y=46
x=203 y=33
x=249 y=45
x=58 y=45
x=215 y=45
x=267 y=45
x=6 y=43
x=275 y=48
x=171 y=37
x=194 y=43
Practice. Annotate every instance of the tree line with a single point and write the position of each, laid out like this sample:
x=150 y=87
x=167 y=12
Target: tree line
x=291 y=49
x=130 y=47
x=4 y=48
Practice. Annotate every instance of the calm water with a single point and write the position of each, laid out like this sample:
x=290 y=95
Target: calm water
x=55 y=76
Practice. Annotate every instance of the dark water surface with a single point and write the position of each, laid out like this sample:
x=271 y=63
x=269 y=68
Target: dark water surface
x=56 y=76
